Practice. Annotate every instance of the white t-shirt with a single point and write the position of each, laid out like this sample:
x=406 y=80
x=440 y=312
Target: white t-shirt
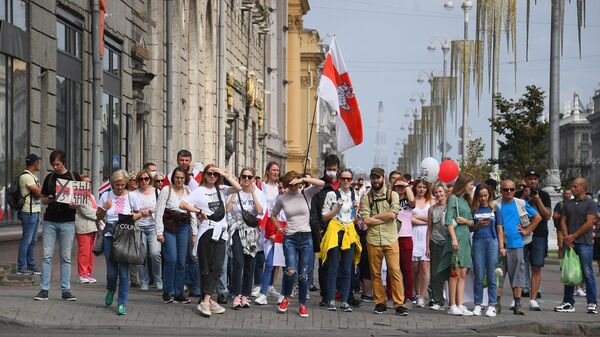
x=270 y=191
x=346 y=213
x=120 y=205
x=141 y=202
x=207 y=200
x=248 y=203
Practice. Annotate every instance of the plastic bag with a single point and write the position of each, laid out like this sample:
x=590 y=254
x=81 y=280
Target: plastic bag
x=570 y=268
x=128 y=246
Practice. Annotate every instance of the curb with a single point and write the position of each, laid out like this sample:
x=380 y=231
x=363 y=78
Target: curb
x=555 y=329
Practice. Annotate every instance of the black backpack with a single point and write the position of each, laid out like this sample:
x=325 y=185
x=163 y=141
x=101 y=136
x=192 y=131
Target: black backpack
x=14 y=198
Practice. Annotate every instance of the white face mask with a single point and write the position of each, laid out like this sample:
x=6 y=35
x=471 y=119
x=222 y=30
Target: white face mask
x=152 y=174
x=331 y=174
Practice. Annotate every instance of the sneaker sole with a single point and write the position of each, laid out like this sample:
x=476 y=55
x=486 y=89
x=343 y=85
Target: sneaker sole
x=563 y=310
x=203 y=314
x=70 y=299
x=378 y=312
x=281 y=311
x=40 y=298
x=535 y=309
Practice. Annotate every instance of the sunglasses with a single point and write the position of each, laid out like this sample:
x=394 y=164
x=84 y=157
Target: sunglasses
x=144 y=179
x=246 y=177
x=156 y=181
x=346 y=178
x=508 y=190
x=213 y=174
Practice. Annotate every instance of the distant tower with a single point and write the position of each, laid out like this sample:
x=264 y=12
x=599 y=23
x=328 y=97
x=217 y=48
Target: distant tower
x=380 y=148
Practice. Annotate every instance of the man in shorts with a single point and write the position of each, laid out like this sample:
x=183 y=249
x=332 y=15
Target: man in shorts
x=517 y=228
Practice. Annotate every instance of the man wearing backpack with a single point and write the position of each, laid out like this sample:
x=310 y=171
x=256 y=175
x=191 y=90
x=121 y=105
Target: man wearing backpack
x=378 y=209
x=29 y=189
x=59 y=223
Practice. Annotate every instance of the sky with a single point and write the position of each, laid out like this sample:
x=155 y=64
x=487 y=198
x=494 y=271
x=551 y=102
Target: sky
x=384 y=44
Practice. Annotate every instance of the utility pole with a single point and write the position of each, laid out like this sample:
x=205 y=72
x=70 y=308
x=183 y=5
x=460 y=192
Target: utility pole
x=96 y=98
x=553 y=180
x=169 y=40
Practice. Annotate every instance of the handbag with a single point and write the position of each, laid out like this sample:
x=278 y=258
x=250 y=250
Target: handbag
x=98 y=244
x=128 y=245
x=171 y=218
x=249 y=219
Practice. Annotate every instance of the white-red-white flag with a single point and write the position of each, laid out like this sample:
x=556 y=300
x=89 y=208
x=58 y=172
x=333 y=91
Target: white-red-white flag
x=336 y=89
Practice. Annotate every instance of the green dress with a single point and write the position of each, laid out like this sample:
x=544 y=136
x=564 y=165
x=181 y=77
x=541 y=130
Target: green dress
x=462 y=235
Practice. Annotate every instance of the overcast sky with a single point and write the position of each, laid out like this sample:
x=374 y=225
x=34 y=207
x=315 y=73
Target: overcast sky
x=384 y=43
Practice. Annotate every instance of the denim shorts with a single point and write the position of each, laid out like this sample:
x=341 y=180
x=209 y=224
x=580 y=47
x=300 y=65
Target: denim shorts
x=536 y=251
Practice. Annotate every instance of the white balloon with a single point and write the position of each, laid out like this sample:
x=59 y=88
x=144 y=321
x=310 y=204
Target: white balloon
x=429 y=169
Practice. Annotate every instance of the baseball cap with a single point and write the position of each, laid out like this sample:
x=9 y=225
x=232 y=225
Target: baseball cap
x=531 y=172
x=378 y=171
x=31 y=158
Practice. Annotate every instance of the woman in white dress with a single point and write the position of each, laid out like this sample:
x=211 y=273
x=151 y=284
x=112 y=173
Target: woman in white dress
x=421 y=272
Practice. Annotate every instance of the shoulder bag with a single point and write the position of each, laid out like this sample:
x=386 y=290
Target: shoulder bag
x=249 y=219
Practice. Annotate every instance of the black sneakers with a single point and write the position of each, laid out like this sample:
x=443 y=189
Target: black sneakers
x=401 y=311
x=41 y=296
x=25 y=272
x=181 y=299
x=167 y=298
x=67 y=296
x=380 y=309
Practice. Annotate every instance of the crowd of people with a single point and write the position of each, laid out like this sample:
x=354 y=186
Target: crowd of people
x=228 y=239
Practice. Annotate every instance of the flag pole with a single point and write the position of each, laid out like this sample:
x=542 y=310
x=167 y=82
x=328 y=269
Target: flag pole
x=312 y=125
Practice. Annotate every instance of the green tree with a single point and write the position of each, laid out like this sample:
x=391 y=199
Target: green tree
x=475 y=164
x=523 y=133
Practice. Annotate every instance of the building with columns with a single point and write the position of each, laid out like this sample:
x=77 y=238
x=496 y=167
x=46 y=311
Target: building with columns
x=304 y=58
x=575 y=140
x=594 y=119
x=228 y=80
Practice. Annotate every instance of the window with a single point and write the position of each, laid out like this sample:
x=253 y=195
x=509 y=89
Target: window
x=585 y=156
x=585 y=138
x=112 y=61
x=14 y=141
x=111 y=134
x=69 y=114
x=69 y=98
x=14 y=12
x=68 y=38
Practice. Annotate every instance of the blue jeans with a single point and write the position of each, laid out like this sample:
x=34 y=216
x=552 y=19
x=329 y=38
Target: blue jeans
x=65 y=231
x=333 y=266
x=192 y=273
x=222 y=282
x=485 y=259
x=585 y=253
x=175 y=249
x=267 y=272
x=153 y=248
x=116 y=272
x=298 y=252
x=27 y=245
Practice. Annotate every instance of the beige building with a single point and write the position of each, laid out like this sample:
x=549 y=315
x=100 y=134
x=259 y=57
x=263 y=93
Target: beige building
x=304 y=58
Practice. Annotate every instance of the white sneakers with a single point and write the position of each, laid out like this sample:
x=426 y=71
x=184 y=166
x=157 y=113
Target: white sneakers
x=534 y=306
x=420 y=302
x=255 y=292
x=271 y=291
x=491 y=311
x=477 y=310
x=580 y=292
x=261 y=300
x=465 y=311
x=436 y=307
x=204 y=309
x=454 y=311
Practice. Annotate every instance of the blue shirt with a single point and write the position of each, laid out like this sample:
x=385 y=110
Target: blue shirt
x=488 y=231
x=511 y=222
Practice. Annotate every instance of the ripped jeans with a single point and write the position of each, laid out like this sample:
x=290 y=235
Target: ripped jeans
x=297 y=249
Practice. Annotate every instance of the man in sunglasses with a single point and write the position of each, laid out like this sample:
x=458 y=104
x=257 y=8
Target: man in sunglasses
x=537 y=250
x=519 y=220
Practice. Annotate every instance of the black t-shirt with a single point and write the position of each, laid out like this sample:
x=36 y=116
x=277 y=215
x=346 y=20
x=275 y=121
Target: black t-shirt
x=56 y=211
x=542 y=228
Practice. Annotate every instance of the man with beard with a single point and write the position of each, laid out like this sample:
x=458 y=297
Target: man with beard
x=378 y=209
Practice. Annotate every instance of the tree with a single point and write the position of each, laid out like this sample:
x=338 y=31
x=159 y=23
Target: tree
x=524 y=131
x=475 y=164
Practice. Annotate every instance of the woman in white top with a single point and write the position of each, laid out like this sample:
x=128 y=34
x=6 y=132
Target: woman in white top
x=243 y=238
x=143 y=201
x=173 y=228
x=264 y=272
x=297 y=244
x=110 y=205
x=421 y=272
x=208 y=200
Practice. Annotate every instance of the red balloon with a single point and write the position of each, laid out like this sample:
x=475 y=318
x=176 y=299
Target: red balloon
x=448 y=171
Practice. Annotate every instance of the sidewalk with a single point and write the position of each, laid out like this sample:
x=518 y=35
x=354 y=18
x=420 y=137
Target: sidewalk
x=145 y=310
